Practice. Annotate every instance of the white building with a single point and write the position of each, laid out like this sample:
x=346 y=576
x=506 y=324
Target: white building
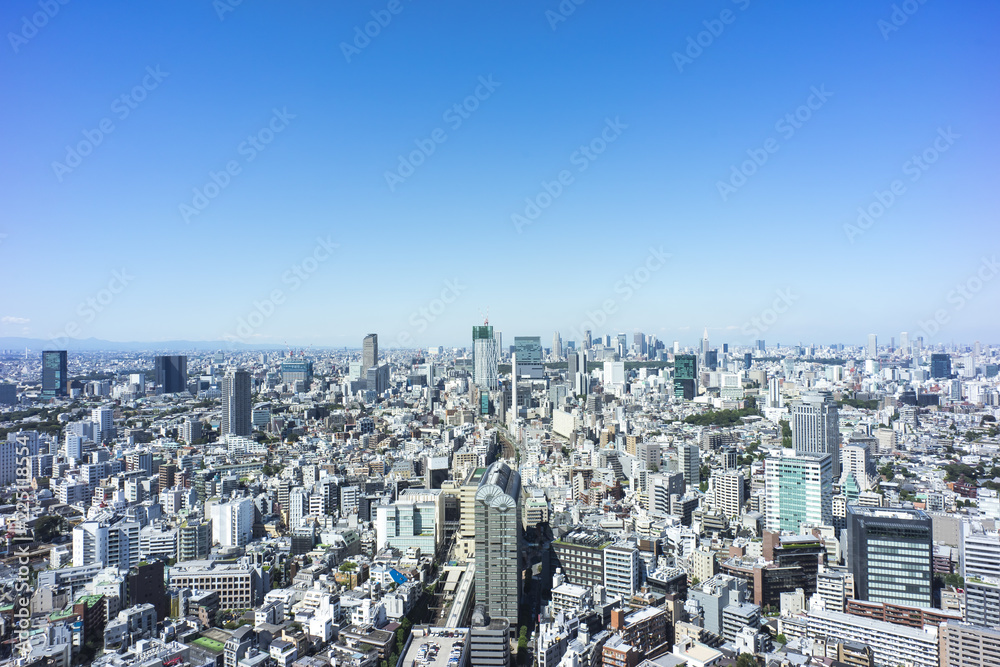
x=232 y=523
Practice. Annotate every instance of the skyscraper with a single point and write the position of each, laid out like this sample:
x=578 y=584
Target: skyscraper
x=55 y=381
x=940 y=366
x=689 y=463
x=557 y=348
x=798 y=488
x=587 y=340
x=236 y=406
x=685 y=374
x=498 y=541
x=369 y=353
x=890 y=553
x=485 y=357
x=171 y=373
x=816 y=427
x=639 y=340
x=528 y=351
x=872 y=346
x=904 y=342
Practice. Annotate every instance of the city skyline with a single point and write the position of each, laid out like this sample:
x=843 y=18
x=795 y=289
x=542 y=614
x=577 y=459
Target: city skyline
x=701 y=185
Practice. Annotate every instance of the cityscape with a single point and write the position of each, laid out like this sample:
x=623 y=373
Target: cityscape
x=474 y=334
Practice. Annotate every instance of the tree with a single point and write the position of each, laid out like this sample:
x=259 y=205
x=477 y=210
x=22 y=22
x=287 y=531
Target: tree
x=746 y=660
x=781 y=639
x=786 y=434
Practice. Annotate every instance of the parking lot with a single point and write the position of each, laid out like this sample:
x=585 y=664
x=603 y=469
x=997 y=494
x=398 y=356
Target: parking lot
x=437 y=649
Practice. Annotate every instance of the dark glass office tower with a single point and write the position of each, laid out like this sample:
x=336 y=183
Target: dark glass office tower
x=890 y=553
x=940 y=366
x=55 y=381
x=171 y=373
x=685 y=374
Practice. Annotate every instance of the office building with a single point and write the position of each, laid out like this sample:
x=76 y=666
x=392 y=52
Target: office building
x=369 y=353
x=485 y=360
x=979 y=550
x=872 y=351
x=580 y=556
x=798 y=489
x=714 y=595
x=816 y=427
x=297 y=370
x=940 y=366
x=8 y=394
x=55 y=378
x=408 y=523
x=685 y=376
x=103 y=419
x=890 y=555
x=528 y=353
x=557 y=346
x=236 y=403
x=498 y=542
x=240 y=586
x=171 y=373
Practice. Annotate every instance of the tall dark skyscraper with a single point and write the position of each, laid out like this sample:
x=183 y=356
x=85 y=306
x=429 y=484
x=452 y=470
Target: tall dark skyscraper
x=890 y=554
x=236 y=407
x=940 y=366
x=55 y=380
x=171 y=373
x=685 y=376
x=369 y=353
x=498 y=542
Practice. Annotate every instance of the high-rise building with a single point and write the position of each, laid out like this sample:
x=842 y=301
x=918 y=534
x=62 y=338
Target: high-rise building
x=857 y=462
x=498 y=542
x=557 y=347
x=297 y=370
x=485 y=359
x=979 y=550
x=622 y=570
x=816 y=427
x=904 y=342
x=587 y=340
x=572 y=364
x=774 y=399
x=940 y=366
x=232 y=522
x=729 y=493
x=236 y=406
x=639 y=340
x=103 y=419
x=689 y=463
x=872 y=351
x=171 y=373
x=528 y=355
x=55 y=380
x=369 y=353
x=798 y=488
x=685 y=376
x=890 y=553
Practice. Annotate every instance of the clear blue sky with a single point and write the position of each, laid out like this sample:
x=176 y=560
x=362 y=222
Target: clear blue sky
x=655 y=185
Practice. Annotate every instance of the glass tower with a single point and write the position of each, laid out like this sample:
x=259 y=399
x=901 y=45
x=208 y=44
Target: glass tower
x=55 y=381
x=890 y=554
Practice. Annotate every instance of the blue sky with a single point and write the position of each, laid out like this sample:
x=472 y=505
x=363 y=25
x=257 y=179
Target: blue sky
x=344 y=120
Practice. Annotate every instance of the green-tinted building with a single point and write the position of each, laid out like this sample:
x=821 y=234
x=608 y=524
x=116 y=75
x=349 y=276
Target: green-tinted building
x=685 y=376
